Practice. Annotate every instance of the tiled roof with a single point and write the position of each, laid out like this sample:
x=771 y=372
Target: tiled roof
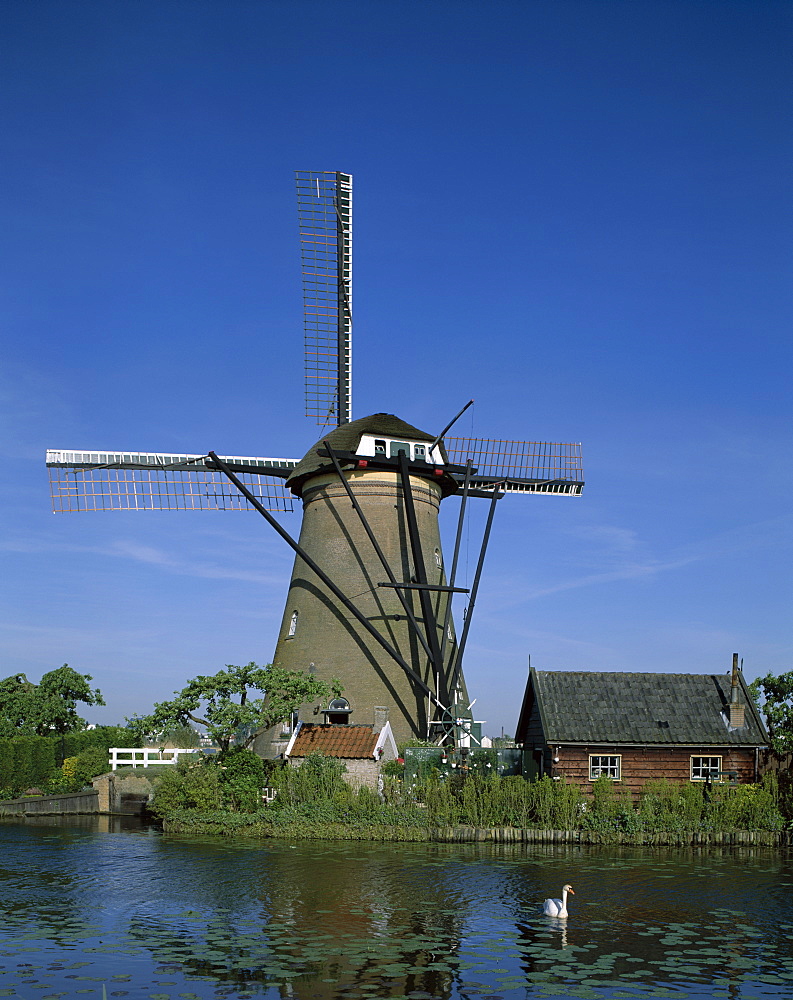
x=599 y=707
x=334 y=741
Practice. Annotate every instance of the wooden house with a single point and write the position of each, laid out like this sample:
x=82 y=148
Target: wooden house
x=636 y=727
x=361 y=748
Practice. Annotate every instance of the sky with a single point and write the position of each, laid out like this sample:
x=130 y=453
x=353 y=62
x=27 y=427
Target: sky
x=576 y=212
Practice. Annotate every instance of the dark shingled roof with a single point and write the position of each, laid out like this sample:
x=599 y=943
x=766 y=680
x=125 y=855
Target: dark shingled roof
x=347 y=437
x=351 y=742
x=599 y=707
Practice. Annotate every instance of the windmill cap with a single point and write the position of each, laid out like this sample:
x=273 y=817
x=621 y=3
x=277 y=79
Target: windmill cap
x=348 y=437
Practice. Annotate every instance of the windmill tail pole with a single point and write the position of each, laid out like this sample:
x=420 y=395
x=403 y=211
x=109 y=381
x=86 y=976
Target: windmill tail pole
x=323 y=576
x=450 y=424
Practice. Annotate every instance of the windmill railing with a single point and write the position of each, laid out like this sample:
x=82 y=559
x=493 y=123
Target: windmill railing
x=561 y=487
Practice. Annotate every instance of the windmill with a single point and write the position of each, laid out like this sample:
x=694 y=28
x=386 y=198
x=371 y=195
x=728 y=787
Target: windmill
x=370 y=597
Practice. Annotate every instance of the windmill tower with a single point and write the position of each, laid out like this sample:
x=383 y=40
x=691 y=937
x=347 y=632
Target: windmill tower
x=370 y=597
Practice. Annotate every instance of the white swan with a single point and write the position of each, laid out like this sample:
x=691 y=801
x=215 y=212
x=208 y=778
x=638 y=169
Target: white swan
x=558 y=907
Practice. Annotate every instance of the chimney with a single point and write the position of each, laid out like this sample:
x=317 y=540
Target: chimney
x=737 y=720
x=380 y=718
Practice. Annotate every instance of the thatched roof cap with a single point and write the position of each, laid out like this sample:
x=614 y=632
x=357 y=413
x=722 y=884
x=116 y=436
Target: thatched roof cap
x=347 y=438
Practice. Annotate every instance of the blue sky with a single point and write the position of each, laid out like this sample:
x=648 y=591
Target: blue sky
x=578 y=213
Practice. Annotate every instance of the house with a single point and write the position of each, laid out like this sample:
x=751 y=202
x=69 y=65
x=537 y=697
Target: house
x=637 y=727
x=361 y=748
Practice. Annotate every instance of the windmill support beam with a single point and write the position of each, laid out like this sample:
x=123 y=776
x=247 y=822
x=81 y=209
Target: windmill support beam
x=378 y=550
x=458 y=663
x=456 y=554
x=323 y=576
x=427 y=611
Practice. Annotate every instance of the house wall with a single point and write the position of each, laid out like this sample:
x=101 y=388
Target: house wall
x=643 y=764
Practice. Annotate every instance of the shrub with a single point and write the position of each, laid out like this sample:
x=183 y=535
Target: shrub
x=242 y=779
x=188 y=785
x=317 y=779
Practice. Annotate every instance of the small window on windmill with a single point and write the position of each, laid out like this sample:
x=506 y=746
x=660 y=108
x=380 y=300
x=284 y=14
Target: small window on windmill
x=419 y=452
x=449 y=632
x=292 y=625
x=438 y=560
x=379 y=447
x=338 y=712
x=400 y=448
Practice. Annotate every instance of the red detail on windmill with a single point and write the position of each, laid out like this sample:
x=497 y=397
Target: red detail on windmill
x=363 y=463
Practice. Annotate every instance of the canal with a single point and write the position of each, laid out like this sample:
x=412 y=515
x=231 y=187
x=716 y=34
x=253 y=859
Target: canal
x=100 y=908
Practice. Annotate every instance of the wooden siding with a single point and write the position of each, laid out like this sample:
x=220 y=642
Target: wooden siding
x=640 y=764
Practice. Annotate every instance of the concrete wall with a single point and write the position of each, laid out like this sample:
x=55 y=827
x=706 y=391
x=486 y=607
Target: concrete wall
x=123 y=794
x=52 y=805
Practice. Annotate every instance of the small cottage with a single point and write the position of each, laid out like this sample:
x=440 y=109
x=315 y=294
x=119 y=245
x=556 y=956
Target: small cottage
x=637 y=727
x=360 y=748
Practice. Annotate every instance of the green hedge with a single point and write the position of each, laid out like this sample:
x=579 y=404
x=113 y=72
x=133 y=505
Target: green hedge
x=25 y=762
x=35 y=761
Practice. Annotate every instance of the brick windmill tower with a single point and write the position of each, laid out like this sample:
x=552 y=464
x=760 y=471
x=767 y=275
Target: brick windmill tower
x=370 y=597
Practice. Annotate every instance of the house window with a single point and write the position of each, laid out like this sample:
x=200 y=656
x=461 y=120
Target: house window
x=288 y=724
x=705 y=767
x=611 y=766
x=292 y=625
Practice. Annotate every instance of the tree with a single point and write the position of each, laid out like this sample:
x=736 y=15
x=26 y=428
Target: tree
x=228 y=711
x=48 y=708
x=774 y=698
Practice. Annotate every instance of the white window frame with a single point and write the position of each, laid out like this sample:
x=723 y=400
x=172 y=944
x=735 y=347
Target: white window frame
x=611 y=770
x=706 y=770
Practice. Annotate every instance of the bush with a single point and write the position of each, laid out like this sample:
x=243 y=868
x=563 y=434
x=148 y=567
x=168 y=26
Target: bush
x=242 y=779
x=317 y=779
x=188 y=785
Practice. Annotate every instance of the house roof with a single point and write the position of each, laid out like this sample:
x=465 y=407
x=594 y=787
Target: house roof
x=349 y=742
x=598 y=707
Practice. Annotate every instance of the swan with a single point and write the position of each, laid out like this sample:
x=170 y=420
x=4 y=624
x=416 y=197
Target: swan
x=558 y=907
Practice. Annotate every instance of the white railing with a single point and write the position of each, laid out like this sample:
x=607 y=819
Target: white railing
x=143 y=756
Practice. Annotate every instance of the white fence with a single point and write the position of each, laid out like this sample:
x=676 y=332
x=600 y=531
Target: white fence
x=143 y=756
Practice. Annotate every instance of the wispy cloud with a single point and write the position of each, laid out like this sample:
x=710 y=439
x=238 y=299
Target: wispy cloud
x=150 y=555
x=620 y=553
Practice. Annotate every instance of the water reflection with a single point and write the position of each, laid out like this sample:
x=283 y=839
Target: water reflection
x=139 y=914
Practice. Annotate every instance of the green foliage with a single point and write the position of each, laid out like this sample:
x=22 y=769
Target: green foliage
x=229 y=712
x=188 y=785
x=49 y=707
x=25 y=762
x=104 y=737
x=242 y=779
x=392 y=768
x=317 y=779
x=779 y=785
x=774 y=698
x=232 y=782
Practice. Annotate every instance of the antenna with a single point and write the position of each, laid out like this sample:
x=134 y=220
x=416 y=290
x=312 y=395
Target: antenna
x=324 y=205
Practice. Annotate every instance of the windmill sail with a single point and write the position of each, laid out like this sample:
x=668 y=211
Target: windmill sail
x=91 y=481
x=520 y=466
x=324 y=202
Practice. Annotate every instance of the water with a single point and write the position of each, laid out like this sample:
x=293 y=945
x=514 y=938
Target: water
x=100 y=909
